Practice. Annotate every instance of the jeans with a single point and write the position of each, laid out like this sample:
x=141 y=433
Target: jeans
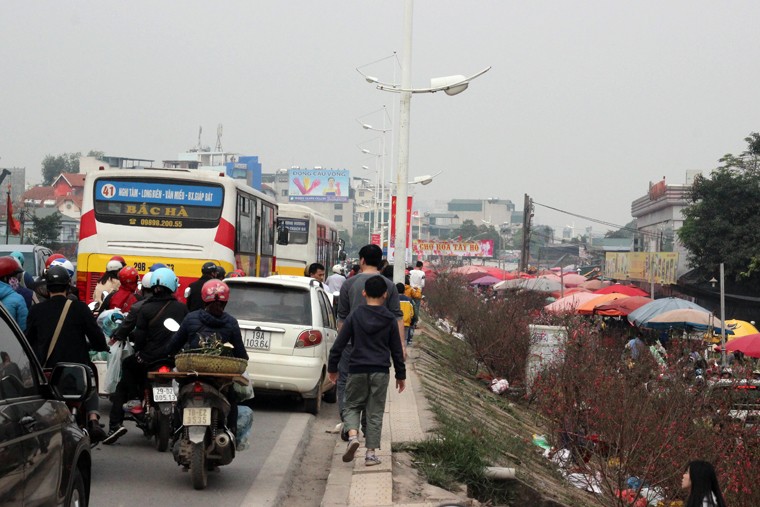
x=366 y=392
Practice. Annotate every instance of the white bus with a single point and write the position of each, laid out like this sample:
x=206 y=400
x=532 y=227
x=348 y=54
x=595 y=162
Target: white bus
x=181 y=218
x=312 y=238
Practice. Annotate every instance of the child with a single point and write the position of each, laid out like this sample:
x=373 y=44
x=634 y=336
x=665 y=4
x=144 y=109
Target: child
x=405 y=302
x=373 y=331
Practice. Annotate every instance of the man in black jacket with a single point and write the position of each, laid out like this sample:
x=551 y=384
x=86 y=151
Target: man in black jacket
x=150 y=338
x=193 y=293
x=71 y=346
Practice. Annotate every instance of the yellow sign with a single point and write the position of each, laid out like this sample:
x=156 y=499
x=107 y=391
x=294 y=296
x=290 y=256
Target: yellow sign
x=657 y=267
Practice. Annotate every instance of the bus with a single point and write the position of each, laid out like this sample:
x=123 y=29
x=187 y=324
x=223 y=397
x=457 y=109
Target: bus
x=178 y=217
x=311 y=238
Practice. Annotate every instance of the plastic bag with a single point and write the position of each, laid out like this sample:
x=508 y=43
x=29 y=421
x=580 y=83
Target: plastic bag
x=499 y=385
x=119 y=352
x=244 y=392
x=244 y=425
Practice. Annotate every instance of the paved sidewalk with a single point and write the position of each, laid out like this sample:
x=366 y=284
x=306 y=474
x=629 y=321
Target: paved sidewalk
x=356 y=485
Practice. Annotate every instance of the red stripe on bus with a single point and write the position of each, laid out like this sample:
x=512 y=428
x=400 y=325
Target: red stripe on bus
x=225 y=234
x=87 y=225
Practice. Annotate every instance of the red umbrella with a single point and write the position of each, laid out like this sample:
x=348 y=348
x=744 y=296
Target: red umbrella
x=622 y=306
x=628 y=290
x=749 y=344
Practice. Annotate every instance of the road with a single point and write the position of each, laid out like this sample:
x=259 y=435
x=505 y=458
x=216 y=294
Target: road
x=133 y=472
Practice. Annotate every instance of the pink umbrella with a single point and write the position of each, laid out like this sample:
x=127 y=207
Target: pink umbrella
x=749 y=344
x=629 y=290
x=572 y=279
x=569 y=304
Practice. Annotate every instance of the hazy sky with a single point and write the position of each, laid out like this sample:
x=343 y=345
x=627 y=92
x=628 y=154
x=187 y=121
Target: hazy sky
x=586 y=103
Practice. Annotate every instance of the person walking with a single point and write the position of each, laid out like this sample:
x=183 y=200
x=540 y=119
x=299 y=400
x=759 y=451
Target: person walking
x=408 y=310
x=375 y=342
x=417 y=284
x=702 y=483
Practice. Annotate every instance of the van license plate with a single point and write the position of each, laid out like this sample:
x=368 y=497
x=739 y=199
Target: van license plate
x=162 y=394
x=196 y=416
x=258 y=340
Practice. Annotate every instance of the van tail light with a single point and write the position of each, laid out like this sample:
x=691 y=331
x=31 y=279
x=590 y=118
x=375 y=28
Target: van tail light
x=164 y=369
x=309 y=338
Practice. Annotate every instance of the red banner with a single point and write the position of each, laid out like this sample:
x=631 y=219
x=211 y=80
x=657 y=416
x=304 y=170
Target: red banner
x=376 y=240
x=14 y=227
x=408 y=221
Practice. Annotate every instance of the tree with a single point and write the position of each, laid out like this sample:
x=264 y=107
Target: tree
x=720 y=221
x=627 y=231
x=46 y=230
x=53 y=166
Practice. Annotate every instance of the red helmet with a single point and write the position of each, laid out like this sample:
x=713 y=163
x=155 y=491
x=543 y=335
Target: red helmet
x=128 y=277
x=52 y=258
x=118 y=258
x=235 y=274
x=8 y=268
x=213 y=290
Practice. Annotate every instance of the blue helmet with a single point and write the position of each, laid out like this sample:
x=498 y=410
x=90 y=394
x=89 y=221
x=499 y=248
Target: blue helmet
x=165 y=277
x=18 y=256
x=157 y=265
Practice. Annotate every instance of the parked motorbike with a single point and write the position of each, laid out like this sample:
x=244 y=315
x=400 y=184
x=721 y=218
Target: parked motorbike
x=154 y=413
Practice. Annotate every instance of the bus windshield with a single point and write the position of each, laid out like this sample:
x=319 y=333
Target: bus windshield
x=145 y=202
x=298 y=229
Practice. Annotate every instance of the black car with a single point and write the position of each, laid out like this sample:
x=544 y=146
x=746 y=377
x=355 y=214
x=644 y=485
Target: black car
x=44 y=455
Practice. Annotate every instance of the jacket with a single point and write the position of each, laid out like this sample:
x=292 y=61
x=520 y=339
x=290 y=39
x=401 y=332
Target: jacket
x=351 y=296
x=111 y=285
x=374 y=334
x=407 y=308
x=201 y=323
x=150 y=336
x=14 y=303
x=78 y=328
x=194 y=301
x=122 y=300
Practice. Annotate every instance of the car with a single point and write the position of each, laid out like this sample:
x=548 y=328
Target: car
x=288 y=328
x=741 y=396
x=44 y=454
x=34 y=257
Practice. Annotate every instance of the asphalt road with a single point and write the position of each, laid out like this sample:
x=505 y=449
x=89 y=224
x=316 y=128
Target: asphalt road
x=132 y=472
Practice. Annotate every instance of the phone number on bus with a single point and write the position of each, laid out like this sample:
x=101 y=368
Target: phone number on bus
x=155 y=222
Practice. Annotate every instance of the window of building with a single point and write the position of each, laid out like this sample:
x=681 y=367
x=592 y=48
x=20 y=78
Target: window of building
x=338 y=206
x=284 y=193
x=338 y=218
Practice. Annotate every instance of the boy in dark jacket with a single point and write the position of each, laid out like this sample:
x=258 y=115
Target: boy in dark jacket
x=373 y=331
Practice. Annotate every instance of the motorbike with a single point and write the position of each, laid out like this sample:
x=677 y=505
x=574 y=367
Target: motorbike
x=154 y=413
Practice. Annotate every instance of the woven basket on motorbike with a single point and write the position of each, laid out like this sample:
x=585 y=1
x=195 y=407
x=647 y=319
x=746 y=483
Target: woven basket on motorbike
x=210 y=364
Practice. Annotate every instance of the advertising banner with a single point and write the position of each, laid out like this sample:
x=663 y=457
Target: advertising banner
x=657 y=267
x=479 y=248
x=376 y=240
x=408 y=221
x=318 y=185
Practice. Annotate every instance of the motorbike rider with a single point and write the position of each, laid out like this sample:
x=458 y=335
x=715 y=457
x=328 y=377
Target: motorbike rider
x=40 y=287
x=193 y=292
x=110 y=280
x=150 y=338
x=27 y=280
x=12 y=300
x=125 y=296
x=209 y=323
x=130 y=321
x=78 y=327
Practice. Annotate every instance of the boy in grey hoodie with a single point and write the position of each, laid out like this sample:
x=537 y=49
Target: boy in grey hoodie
x=372 y=330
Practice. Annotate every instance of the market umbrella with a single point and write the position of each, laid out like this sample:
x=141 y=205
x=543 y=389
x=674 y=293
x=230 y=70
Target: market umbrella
x=739 y=327
x=464 y=270
x=572 y=279
x=562 y=293
x=658 y=306
x=594 y=284
x=473 y=275
x=569 y=304
x=684 y=318
x=622 y=307
x=588 y=307
x=629 y=290
x=536 y=284
x=485 y=280
x=748 y=344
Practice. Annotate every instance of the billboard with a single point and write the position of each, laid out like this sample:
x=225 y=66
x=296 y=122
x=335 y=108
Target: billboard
x=657 y=267
x=479 y=248
x=318 y=185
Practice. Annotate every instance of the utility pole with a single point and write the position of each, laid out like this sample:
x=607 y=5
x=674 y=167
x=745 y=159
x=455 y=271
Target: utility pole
x=527 y=215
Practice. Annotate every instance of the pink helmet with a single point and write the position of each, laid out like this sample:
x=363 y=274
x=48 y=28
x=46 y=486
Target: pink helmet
x=215 y=290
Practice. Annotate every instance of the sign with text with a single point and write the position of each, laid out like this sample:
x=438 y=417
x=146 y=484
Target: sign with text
x=480 y=248
x=657 y=267
x=376 y=240
x=318 y=185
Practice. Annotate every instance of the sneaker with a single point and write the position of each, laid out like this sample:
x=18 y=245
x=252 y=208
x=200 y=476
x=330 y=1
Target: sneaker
x=371 y=460
x=353 y=445
x=97 y=434
x=114 y=435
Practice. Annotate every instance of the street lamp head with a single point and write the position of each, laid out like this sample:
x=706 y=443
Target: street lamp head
x=366 y=168
x=365 y=150
x=366 y=126
x=713 y=281
x=371 y=79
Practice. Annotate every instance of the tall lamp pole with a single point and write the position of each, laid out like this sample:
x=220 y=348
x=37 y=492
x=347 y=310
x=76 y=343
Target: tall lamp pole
x=723 y=357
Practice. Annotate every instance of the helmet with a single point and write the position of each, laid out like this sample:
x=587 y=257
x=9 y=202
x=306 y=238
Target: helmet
x=18 y=256
x=53 y=257
x=118 y=258
x=57 y=275
x=109 y=321
x=165 y=277
x=220 y=273
x=338 y=269
x=9 y=266
x=66 y=264
x=128 y=277
x=208 y=268
x=239 y=272
x=215 y=290
x=147 y=281
x=115 y=265
x=156 y=266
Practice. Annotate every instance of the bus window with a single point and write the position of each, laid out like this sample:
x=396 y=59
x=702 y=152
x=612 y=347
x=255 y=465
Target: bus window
x=298 y=229
x=245 y=225
x=267 y=230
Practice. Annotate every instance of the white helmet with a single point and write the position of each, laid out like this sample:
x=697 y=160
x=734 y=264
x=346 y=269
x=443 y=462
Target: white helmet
x=66 y=264
x=338 y=269
x=146 y=282
x=113 y=265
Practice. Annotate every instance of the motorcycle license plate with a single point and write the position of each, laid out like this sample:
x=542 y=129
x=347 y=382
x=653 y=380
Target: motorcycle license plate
x=192 y=416
x=161 y=394
x=258 y=340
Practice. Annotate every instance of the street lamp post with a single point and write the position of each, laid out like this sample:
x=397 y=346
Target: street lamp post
x=451 y=85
